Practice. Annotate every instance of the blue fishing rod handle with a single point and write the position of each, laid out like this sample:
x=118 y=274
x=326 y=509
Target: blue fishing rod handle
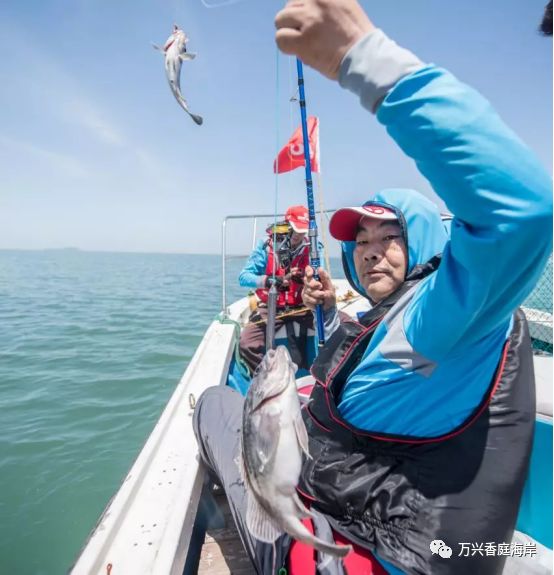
x=318 y=310
x=320 y=325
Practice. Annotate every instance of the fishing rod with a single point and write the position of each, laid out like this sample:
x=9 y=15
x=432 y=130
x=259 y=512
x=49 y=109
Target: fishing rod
x=312 y=231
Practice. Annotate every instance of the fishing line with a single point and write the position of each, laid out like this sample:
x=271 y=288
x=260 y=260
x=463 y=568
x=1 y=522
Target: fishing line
x=178 y=12
x=272 y=295
x=293 y=99
x=277 y=144
x=323 y=214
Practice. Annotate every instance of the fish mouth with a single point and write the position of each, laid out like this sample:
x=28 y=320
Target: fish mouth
x=281 y=352
x=273 y=356
x=276 y=363
x=269 y=359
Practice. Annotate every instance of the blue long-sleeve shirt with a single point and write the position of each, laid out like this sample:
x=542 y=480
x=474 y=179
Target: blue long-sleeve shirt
x=453 y=330
x=253 y=273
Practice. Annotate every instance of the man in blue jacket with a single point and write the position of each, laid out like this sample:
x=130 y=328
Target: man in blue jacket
x=421 y=420
x=284 y=264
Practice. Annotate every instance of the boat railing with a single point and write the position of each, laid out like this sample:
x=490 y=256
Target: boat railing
x=538 y=311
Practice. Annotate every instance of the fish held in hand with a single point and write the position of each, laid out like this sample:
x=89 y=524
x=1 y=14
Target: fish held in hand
x=175 y=53
x=273 y=439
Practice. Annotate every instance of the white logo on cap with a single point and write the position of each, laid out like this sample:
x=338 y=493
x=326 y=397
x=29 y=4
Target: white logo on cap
x=377 y=210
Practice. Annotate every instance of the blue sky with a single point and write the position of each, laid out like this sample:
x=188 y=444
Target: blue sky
x=95 y=153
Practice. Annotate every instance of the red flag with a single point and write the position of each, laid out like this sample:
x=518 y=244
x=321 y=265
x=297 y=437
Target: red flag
x=292 y=155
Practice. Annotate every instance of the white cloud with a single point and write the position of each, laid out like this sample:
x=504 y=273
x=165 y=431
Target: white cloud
x=62 y=163
x=85 y=114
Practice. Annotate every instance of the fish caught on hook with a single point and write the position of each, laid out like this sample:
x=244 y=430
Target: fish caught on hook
x=175 y=53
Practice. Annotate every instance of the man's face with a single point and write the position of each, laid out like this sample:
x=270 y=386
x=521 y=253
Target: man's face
x=380 y=257
x=296 y=239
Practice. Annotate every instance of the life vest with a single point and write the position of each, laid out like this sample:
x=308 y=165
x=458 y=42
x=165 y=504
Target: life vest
x=292 y=297
x=394 y=495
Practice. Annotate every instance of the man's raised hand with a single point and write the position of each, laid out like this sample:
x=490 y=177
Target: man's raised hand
x=320 y=32
x=318 y=292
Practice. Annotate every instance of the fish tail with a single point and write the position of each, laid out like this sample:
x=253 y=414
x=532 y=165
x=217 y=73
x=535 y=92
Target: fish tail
x=181 y=100
x=299 y=532
x=197 y=119
x=330 y=548
x=183 y=103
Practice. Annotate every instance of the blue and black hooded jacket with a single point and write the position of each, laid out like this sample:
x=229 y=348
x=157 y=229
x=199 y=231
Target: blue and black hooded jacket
x=421 y=421
x=452 y=332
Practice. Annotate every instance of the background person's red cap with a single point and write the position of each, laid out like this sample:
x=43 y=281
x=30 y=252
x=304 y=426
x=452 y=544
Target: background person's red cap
x=344 y=223
x=298 y=218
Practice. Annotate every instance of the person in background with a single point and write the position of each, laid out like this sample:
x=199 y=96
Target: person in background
x=420 y=423
x=289 y=256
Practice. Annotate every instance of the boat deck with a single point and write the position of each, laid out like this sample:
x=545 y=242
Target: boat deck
x=166 y=486
x=223 y=552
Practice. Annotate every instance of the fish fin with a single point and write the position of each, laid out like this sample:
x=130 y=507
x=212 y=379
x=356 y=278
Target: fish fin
x=187 y=56
x=302 y=434
x=300 y=506
x=239 y=460
x=297 y=530
x=258 y=521
x=330 y=549
x=183 y=103
x=324 y=561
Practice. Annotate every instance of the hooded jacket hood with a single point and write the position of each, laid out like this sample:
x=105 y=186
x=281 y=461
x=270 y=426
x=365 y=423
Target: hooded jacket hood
x=420 y=220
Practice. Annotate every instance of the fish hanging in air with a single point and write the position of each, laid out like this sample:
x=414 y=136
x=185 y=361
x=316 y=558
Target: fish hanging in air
x=175 y=53
x=272 y=441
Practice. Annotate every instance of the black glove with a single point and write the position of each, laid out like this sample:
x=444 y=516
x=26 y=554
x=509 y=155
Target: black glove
x=278 y=283
x=297 y=274
x=255 y=317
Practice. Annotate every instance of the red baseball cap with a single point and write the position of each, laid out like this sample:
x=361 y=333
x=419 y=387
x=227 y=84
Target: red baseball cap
x=298 y=218
x=344 y=223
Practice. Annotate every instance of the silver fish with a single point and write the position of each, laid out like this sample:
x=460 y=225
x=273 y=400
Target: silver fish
x=175 y=53
x=273 y=439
